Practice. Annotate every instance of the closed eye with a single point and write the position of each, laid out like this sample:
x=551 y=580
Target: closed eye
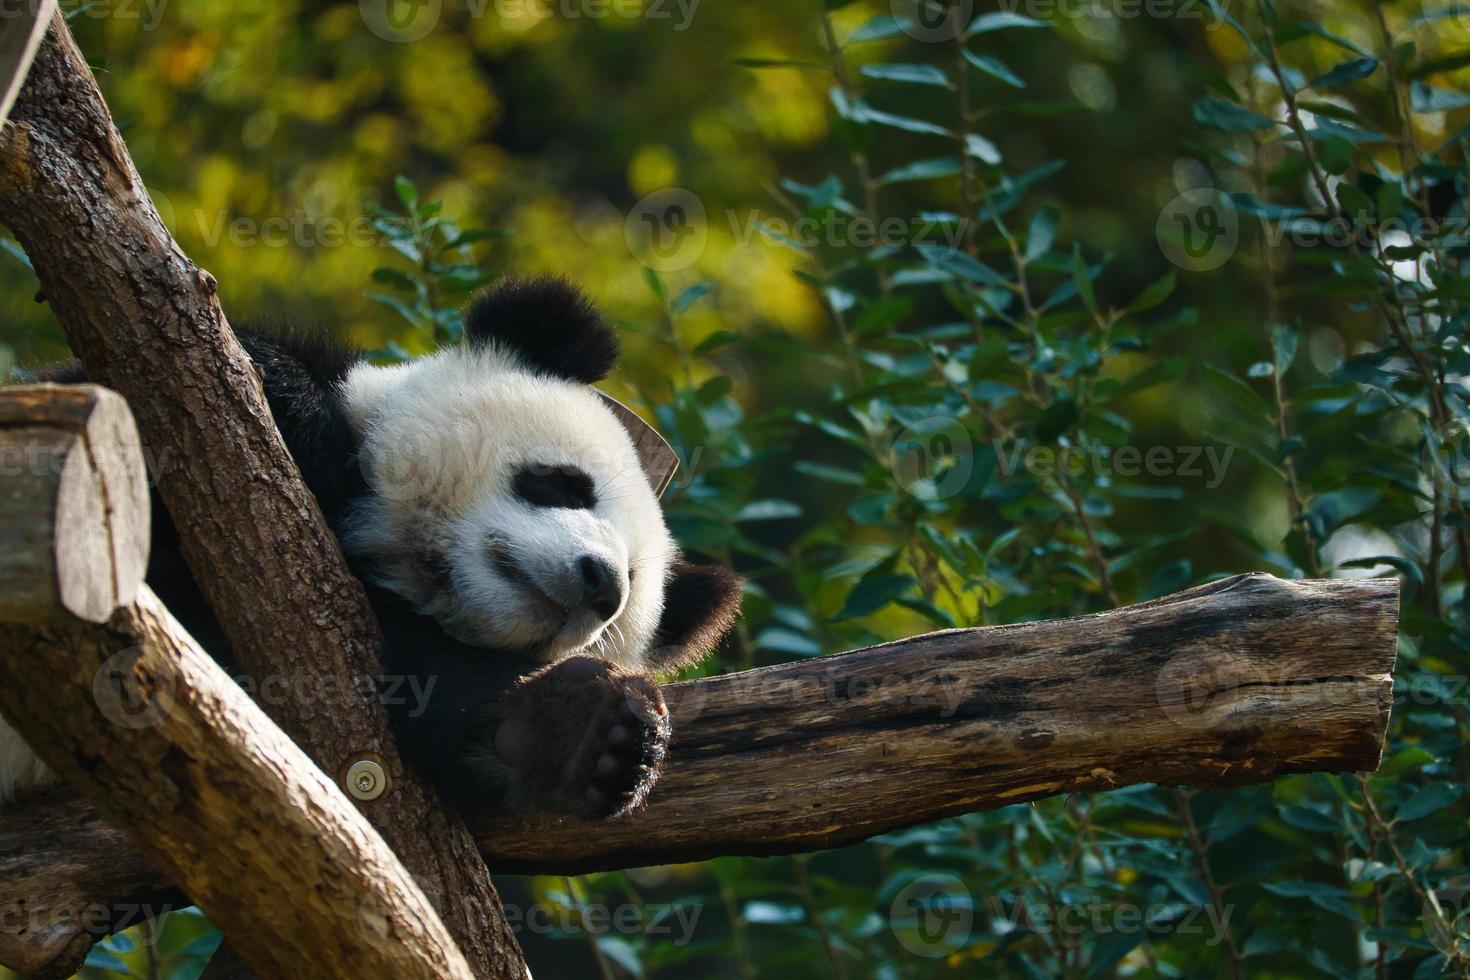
x=554 y=486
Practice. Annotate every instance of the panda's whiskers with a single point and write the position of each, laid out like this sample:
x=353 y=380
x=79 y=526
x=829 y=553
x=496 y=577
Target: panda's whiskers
x=655 y=556
x=614 y=499
x=609 y=481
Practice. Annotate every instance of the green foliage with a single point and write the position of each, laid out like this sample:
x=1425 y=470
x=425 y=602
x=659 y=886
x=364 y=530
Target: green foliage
x=967 y=428
x=174 y=946
x=443 y=269
x=1013 y=407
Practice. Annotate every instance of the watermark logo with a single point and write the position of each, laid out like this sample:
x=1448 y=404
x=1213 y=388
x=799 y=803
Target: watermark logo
x=667 y=231
x=1447 y=451
x=685 y=701
x=933 y=458
x=1199 y=230
x=932 y=916
x=133 y=692
x=932 y=22
x=1196 y=689
x=400 y=21
x=1446 y=917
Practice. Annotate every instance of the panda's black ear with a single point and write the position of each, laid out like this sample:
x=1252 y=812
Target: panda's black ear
x=701 y=603
x=548 y=323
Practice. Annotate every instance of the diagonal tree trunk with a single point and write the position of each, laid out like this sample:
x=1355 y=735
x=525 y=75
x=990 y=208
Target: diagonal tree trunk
x=146 y=322
x=173 y=751
x=116 y=697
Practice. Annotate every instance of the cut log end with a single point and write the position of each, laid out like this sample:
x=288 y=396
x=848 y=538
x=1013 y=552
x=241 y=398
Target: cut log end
x=74 y=515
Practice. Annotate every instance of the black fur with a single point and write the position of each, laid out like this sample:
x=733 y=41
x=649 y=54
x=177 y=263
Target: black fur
x=300 y=373
x=701 y=603
x=449 y=700
x=549 y=324
x=555 y=486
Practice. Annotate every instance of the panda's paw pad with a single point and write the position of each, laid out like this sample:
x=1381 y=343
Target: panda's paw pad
x=603 y=734
x=622 y=747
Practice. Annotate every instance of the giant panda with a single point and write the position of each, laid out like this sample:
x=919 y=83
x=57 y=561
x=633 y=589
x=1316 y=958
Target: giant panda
x=514 y=553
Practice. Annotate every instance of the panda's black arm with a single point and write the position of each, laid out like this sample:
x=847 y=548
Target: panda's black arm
x=447 y=700
x=498 y=732
x=302 y=375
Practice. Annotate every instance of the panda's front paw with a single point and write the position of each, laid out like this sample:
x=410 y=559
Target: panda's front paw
x=584 y=737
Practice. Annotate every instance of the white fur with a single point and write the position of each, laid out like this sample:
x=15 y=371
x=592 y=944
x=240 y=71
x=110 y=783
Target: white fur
x=442 y=437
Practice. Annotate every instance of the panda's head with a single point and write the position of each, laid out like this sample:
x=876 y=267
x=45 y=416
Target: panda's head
x=507 y=501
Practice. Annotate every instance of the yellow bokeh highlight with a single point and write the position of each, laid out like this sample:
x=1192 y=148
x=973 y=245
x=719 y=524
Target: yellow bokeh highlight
x=652 y=168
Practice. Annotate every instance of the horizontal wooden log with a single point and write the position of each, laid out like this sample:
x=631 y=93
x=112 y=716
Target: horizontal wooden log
x=70 y=879
x=1238 y=681
x=174 y=753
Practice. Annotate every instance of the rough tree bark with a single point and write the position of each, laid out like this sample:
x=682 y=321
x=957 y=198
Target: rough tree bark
x=85 y=882
x=146 y=322
x=1239 y=681
x=126 y=706
x=170 y=749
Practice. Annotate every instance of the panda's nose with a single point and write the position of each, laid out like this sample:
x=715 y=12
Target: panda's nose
x=602 y=592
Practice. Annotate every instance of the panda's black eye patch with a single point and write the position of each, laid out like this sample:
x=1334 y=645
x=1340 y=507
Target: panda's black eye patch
x=554 y=486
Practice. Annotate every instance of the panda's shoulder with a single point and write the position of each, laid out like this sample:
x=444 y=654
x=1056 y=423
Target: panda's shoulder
x=298 y=353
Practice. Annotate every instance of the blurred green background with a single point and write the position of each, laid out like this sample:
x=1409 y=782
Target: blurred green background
x=298 y=151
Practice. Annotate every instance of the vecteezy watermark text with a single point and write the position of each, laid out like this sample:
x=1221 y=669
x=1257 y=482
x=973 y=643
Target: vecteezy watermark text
x=95 y=919
x=834 y=229
x=926 y=689
x=403 y=21
x=1209 y=463
x=1200 y=230
x=148 y=13
x=936 y=914
x=670 y=922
